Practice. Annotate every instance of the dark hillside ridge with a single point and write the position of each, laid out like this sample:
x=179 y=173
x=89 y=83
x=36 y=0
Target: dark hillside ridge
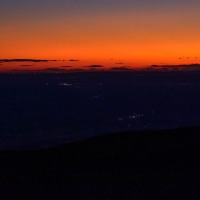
x=133 y=165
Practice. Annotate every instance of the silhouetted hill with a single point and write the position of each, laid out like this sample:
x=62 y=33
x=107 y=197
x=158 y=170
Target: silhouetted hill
x=133 y=165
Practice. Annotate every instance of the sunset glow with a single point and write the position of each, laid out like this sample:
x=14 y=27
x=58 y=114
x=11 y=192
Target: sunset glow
x=135 y=34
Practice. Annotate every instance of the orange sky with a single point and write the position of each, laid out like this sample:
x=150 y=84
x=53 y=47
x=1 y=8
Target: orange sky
x=136 y=37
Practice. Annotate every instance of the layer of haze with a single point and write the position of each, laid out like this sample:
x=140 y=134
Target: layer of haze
x=136 y=32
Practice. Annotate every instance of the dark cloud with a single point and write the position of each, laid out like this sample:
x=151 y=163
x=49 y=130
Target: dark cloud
x=119 y=63
x=66 y=66
x=47 y=70
x=74 y=60
x=155 y=66
x=196 y=65
x=76 y=70
x=182 y=67
x=121 y=68
x=24 y=60
x=180 y=58
x=95 y=66
x=26 y=65
x=53 y=69
x=21 y=70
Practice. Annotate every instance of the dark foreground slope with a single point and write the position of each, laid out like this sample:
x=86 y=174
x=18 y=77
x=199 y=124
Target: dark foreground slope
x=140 y=165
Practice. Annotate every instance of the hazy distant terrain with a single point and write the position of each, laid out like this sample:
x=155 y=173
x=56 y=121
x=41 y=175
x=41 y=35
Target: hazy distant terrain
x=39 y=110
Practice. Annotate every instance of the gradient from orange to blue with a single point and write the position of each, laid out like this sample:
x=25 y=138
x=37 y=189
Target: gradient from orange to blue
x=133 y=32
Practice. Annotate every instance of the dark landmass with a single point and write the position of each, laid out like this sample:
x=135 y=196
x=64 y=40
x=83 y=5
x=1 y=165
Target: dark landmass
x=45 y=109
x=129 y=165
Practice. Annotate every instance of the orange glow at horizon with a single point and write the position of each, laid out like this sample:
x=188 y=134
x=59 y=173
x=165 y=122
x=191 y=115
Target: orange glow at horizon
x=142 y=40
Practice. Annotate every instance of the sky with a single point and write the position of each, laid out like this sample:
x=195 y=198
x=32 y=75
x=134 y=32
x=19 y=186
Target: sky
x=106 y=32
